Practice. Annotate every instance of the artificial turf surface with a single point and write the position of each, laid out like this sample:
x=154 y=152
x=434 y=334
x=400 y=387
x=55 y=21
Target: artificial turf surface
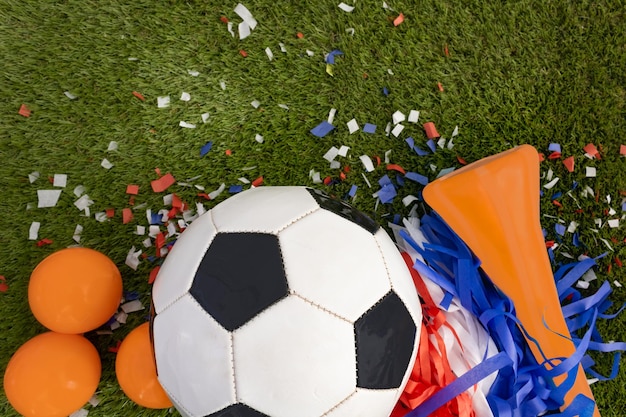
x=536 y=72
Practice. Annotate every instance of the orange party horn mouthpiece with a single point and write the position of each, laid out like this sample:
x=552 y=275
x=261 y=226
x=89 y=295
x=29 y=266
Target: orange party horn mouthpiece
x=493 y=205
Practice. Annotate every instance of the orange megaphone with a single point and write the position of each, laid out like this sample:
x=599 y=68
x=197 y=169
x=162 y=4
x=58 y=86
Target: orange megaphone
x=493 y=205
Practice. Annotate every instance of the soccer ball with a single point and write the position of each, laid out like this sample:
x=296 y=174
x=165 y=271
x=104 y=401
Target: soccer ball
x=284 y=302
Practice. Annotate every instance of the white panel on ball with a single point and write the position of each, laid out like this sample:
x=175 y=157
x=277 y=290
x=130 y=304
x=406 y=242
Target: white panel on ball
x=176 y=274
x=334 y=263
x=263 y=209
x=399 y=275
x=193 y=356
x=304 y=358
x=367 y=403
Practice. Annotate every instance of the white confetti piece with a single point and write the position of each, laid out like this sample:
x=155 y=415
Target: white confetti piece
x=389 y=71
x=613 y=223
x=283 y=106
x=582 y=284
x=388 y=129
x=229 y=26
x=441 y=142
x=387 y=156
x=132 y=306
x=245 y=14
x=48 y=198
x=78 y=230
x=193 y=73
x=414 y=116
x=345 y=7
x=309 y=52
x=121 y=317
x=259 y=138
x=244 y=30
x=205 y=117
x=282 y=47
x=397 y=130
x=101 y=216
x=59 y=180
x=94 y=401
x=79 y=190
x=315 y=177
x=366 y=180
x=551 y=183
x=255 y=104
x=80 y=413
x=186 y=125
x=113 y=145
x=450 y=144
x=33 y=176
x=455 y=132
x=269 y=53
x=589 y=276
x=106 y=164
x=367 y=163
x=608 y=245
x=163 y=102
x=549 y=174
x=350 y=31
x=33 y=231
x=353 y=126
x=617 y=284
x=132 y=258
x=343 y=151
x=331 y=115
x=140 y=230
x=223 y=85
x=184 y=96
x=214 y=194
x=572 y=227
x=398 y=117
x=69 y=95
x=244 y=180
x=335 y=165
x=132 y=58
x=83 y=202
x=408 y=200
x=331 y=154
x=590 y=172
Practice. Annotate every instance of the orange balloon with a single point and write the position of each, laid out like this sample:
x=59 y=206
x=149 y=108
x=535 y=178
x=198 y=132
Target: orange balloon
x=136 y=370
x=52 y=375
x=493 y=205
x=75 y=290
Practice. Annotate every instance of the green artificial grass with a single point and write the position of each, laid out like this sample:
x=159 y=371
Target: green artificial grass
x=532 y=72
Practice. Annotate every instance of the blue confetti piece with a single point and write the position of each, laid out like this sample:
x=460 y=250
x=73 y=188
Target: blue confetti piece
x=206 y=148
x=330 y=58
x=369 y=128
x=556 y=195
x=234 y=189
x=155 y=218
x=420 y=151
x=554 y=147
x=411 y=142
x=384 y=180
x=385 y=91
x=560 y=229
x=414 y=176
x=131 y=295
x=624 y=206
x=544 y=232
x=322 y=129
x=576 y=240
x=432 y=145
x=396 y=219
x=352 y=191
x=574 y=185
x=387 y=193
x=399 y=180
x=541 y=193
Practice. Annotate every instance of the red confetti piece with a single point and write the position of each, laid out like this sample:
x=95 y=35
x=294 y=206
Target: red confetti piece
x=3 y=284
x=542 y=157
x=569 y=163
x=300 y=35
x=24 y=111
x=159 y=242
x=591 y=149
x=257 y=182
x=342 y=176
x=204 y=195
x=445 y=50
x=116 y=348
x=554 y=155
x=549 y=243
x=131 y=200
x=177 y=202
x=162 y=183
x=398 y=20
x=461 y=160
x=347 y=169
x=153 y=274
x=127 y=215
x=44 y=242
x=617 y=262
x=622 y=150
x=228 y=152
x=396 y=167
x=440 y=87
x=158 y=171
x=224 y=19
x=327 y=180
x=431 y=130
x=173 y=212
x=132 y=189
x=110 y=213
x=557 y=203
x=378 y=160
x=365 y=76
x=139 y=95
x=243 y=53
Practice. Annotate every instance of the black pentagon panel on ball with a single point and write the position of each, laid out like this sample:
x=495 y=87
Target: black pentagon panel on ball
x=385 y=338
x=238 y=410
x=240 y=275
x=344 y=210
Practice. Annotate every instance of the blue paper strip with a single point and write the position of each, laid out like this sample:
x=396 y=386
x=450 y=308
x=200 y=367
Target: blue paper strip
x=322 y=129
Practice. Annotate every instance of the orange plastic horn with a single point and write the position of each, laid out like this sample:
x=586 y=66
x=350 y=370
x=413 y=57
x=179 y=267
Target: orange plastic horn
x=493 y=205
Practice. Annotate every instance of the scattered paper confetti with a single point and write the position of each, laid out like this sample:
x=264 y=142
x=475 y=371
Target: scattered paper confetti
x=431 y=130
x=255 y=104
x=369 y=128
x=367 y=163
x=352 y=126
x=259 y=138
x=59 y=180
x=185 y=96
x=440 y=87
x=397 y=130
x=163 y=102
x=69 y=95
x=206 y=148
x=186 y=125
x=569 y=163
x=83 y=202
x=244 y=30
x=590 y=172
x=322 y=129
x=398 y=117
x=345 y=7
x=622 y=150
x=113 y=145
x=4 y=287
x=331 y=154
x=48 y=198
x=223 y=85
x=106 y=164
x=591 y=151
x=331 y=115
x=245 y=14
x=414 y=116
x=80 y=413
x=269 y=53
x=24 y=111
x=205 y=117
x=283 y=106
x=613 y=223
x=398 y=20
x=350 y=31
x=163 y=183
x=78 y=230
x=330 y=58
x=33 y=231
x=139 y=95
x=33 y=176
x=132 y=306
x=282 y=47
x=551 y=184
x=193 y=73
x=343 y=150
